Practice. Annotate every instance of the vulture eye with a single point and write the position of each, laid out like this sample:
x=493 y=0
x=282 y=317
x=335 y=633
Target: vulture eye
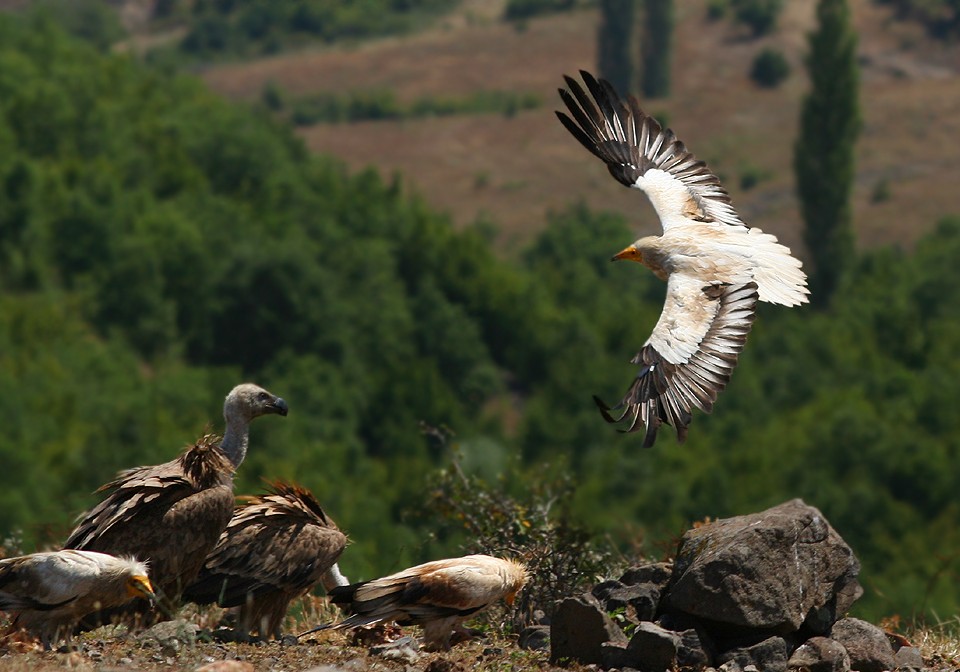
x=264 y=396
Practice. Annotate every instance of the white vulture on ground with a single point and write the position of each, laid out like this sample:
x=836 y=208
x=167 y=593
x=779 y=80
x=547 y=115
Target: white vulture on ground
x=715 y=266
x=437 y=595
x=171 y=515
x=47 y=593
x=276 y=547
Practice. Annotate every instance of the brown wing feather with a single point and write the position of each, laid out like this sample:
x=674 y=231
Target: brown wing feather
x=667 y=393
x=279 y=542
x=169 y=515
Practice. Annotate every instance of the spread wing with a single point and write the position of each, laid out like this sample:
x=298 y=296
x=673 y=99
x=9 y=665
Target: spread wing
x=640 y=153
x=689 y=357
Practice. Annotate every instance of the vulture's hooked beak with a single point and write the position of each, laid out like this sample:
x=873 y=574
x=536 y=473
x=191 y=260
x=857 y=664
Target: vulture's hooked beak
x=279 y=406
x=140 y=586
x=630 y=253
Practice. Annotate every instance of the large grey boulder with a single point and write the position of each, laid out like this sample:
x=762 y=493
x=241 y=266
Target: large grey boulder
x=773 y=571
x=868 y=646
x=578 y=630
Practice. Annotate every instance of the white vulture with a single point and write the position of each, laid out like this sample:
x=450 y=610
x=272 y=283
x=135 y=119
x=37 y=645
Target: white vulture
x=715 y=266
x=437 y=595
x=276 y=547
x=47 y=593
x=171 y=515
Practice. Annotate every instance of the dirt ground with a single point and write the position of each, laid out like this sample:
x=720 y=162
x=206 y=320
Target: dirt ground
x=514 y=170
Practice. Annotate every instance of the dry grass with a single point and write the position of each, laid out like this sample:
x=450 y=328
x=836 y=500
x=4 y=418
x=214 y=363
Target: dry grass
x=514 y=170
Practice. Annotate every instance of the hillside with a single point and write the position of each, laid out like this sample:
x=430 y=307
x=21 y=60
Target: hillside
x=516 y=169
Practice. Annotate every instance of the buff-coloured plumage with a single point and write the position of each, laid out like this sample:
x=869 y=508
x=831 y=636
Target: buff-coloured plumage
x=437 y=595
x=715 y=266
x=48 y=593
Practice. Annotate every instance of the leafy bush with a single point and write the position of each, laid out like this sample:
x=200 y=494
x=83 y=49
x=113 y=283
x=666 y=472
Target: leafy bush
x=770 y=68
x=382 y=105
x=249 y=27
x=517 y=10
x=760 y=16
x=536 y=528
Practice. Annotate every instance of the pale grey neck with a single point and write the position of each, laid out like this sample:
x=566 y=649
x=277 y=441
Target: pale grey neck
x=235 y=440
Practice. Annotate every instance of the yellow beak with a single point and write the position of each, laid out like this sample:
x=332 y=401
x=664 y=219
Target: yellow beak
x=630 y=253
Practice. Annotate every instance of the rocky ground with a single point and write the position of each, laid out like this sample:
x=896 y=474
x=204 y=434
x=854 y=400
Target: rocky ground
x=765 y=592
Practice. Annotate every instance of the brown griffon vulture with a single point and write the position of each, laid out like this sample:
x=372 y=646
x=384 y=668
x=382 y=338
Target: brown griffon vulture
x=437 y=595
x=276 y=547
x=171 y=515
x=715 y=266
x=47 y=593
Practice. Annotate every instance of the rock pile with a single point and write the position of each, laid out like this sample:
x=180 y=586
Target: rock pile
x=767 y=590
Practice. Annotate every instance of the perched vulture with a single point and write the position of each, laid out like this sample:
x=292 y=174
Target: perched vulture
x=715 y=266
x=438 y=595
x=171 y=515
x=49 y=592
x=276 y=548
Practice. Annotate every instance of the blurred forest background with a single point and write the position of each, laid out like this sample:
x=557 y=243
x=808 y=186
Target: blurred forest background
x=369 y=208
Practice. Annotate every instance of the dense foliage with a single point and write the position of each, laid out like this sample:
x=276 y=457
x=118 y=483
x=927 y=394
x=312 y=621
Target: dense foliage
x=823 y=157
x=770 y=68
x=615 y=58
x=218 y=28
x=656 y=47
x=158 y=245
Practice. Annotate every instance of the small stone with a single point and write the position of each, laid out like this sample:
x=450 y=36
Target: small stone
x=403 y=650
x=578 y=629
x=657 y=573
x=226 y=666
x=868 y=646
x=908 y=657
x=534 y=637
x=770 y=655
x=820 y=654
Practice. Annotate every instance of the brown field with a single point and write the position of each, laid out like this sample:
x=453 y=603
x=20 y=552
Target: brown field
x=515 y=170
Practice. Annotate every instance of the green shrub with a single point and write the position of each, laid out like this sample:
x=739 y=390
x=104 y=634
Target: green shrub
x=517 y=10
x=760 y=16
x=770 y=68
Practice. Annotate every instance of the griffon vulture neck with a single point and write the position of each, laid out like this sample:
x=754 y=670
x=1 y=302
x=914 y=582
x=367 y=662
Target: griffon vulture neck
x=236 y=438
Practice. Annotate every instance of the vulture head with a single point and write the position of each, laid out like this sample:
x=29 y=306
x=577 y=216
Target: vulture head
x=248 y=401
x=245 y=403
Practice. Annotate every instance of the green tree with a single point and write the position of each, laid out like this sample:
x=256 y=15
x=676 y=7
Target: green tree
x=615 y=44
x=656 y=47
x=824 y=152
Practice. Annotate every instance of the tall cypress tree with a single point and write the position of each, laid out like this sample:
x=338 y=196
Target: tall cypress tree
x=615 y=44
x=656 y=46
x=823 y=156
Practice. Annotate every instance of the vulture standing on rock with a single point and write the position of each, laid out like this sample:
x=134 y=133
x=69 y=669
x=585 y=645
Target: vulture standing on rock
x=715 y=266
x=276 y=547
x=171 y=515
x=47 y=593
x=438 y=595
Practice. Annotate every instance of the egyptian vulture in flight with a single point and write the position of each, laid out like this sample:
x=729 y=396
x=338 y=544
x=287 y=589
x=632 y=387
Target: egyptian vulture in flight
x=47 y=593
x=171 y=515
x=276 y=548
x=438 y=595
x=715 y=266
